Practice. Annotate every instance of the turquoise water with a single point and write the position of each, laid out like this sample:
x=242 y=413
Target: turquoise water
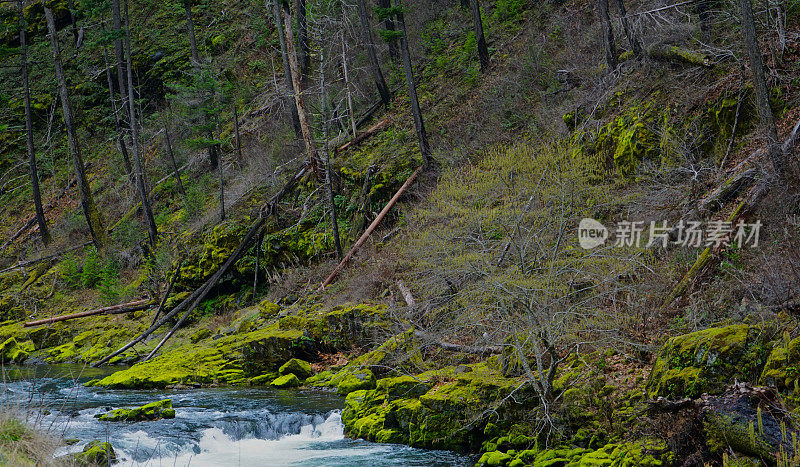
x=212 y=427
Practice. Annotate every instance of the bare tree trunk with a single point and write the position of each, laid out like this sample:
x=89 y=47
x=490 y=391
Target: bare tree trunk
x=774 y=151
x=287 y=72
x=213 y=155
x=294 y=67
x=303 y=53
x=608 y=35
x=636 y=47
x=176 y=171
x=73 y=22
x=152 y=231
x=369 y=45
x=221 y=193
x=236 y=131
x=347 y=89
x=388 y=25
x=704 y=12
x=328 y=157
x=93 y=217
x=119 y=53
x=123 y=149
x=419 y=124
x=483 y=51
x=37 y=196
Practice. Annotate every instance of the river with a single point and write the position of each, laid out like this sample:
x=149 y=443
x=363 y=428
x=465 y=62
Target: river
x=212 y=426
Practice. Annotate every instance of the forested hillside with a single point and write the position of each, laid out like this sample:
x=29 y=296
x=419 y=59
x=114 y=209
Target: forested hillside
x=540 y=233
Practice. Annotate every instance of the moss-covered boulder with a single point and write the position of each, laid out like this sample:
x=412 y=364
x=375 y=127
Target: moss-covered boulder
x=95 y=454
x=233 y=359
x=439 y=409
x=709 y=360
x=300 y=368
x=363 y=379
x=16 y=351
x=286 y=381
x=782 y=370
x=152 y=411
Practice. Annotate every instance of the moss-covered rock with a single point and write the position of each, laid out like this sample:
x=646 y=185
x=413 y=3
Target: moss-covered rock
x=229 y=360
x=651 y=453
x=440 y=409
x=782 y=370
x=354 y=381
x=709 y=360
x=286 y=381
x=152 y=411
x=16 y=351
x=300 y=368
x=94 y=454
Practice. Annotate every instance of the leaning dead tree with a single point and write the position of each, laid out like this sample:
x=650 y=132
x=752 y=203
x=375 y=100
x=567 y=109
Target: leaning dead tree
x=93 y=216
x=187 y=305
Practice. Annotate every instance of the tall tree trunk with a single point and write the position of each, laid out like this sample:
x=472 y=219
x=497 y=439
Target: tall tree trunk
x=37 y=197
x=369 y=45
x=236 y=132
x=294 y=67
x=419 y=124
x=72 y=20
x=328 y=156
x=176 y=171
x=123 y=149
x=483 y=51
x=152 y=231
x=93 y=217
x=213 y=154
x=775 y=153
x=388 y=25
x=287 y=72
x=636 y=47
x=221 y=179
x=608 y=35
x=120 y=56
x=704 y=12
x=303 y=49
x=350 y=109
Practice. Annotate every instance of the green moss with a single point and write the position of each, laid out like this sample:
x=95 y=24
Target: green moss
x=152 y=411
x=300 y=368
x=229 y=360
x=439 y=409
x=708 y=360
x=96 y=453
x=12 y=350
x=723 y=432
x=363 y=379
x=286 y=381
x=200 y=335
x=268 y=310
x=782 y=370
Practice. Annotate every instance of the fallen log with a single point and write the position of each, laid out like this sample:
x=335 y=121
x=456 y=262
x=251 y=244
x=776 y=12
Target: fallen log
x=369 y=230
x=188 y=304
x=727 y=191
x=22 y=264
x=678 y=54
x=489 y=349
x=109 y=310
x=366 y=134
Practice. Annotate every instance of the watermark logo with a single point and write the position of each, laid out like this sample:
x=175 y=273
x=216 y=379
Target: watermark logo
x=688 y=234
x=591 y=233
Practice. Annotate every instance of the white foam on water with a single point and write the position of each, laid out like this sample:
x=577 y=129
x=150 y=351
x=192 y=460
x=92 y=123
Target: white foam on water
x=216 y=448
